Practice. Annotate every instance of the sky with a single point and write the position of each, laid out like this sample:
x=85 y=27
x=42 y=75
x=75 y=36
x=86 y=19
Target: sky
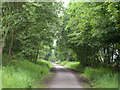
x=54 y=43
x=66 y=2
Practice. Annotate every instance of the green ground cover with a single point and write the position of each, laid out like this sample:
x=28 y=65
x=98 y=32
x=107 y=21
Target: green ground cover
x=102 y=78
x=24 y=74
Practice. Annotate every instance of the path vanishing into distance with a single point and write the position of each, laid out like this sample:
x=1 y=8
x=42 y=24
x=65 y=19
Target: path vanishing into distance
x=63 y=78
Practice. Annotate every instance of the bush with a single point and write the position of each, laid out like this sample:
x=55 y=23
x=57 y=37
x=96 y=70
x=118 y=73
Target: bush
x=73 y=65
x=18 y=56
x=4 y=59
x=44 y=62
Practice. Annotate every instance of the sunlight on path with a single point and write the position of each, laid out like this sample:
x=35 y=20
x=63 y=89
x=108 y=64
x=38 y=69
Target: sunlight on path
x=58 y=66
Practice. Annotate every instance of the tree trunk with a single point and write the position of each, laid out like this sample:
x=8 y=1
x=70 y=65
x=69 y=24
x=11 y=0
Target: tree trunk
x=36 y=56
x=10 y=48
x=108 y=57
x=0 y=52
x=31 y=58
x=112 y=52
x=4 y=38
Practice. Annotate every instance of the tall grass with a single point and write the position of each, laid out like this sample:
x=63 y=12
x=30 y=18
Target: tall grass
x=103 y=78
x=0 y=78
x=24 y=74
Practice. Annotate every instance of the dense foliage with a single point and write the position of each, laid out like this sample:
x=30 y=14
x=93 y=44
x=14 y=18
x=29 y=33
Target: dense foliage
x=28 y=29
x=92 y=31
x=87 y=33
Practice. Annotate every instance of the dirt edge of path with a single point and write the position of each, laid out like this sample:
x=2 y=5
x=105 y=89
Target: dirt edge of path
x=83 y=80
x=49 y=78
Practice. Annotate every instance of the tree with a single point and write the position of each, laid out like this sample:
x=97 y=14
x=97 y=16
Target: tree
x=28 y=26
x=91 y=31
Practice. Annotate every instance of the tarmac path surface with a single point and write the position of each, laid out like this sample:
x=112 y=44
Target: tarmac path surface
x=63 y=78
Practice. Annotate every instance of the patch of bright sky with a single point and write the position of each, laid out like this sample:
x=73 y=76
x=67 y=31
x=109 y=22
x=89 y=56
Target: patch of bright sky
x=66 y=2
x=54 y=43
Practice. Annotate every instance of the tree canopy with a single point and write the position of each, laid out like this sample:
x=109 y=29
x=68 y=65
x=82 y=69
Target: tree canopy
x=28 y=27
x=85 y=31
x=91 y=30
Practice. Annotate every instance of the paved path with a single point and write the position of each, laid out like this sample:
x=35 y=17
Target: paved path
x=63 y=78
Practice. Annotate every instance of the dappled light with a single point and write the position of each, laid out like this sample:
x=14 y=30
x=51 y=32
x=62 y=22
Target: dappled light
x=60 y=45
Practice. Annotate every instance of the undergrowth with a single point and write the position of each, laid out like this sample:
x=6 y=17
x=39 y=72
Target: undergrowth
x=102 y=78
x=24 y=74
x=0 y=78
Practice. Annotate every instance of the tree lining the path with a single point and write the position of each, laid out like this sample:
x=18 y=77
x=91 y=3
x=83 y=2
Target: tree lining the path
x=92 y=31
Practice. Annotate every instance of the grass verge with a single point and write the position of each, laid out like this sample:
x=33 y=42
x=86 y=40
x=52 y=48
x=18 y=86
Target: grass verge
x=0 y=78
x=24 y=74
x=99 y=77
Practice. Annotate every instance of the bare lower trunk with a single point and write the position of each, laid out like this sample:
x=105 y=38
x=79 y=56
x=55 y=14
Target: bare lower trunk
x=31 y=58
x=10 y=48
x=0 y=52
x=36 y=56
x=4 y=38
x=112 y=52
